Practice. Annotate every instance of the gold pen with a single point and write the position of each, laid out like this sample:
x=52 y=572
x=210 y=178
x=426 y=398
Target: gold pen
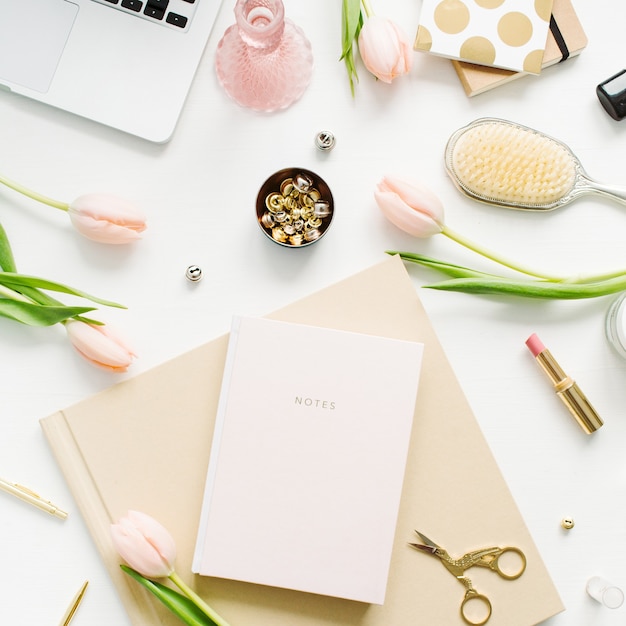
x=73 y=607
x=25 y=494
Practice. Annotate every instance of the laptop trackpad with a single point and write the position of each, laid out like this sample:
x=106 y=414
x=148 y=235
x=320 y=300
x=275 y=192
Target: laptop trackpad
x=32 y=37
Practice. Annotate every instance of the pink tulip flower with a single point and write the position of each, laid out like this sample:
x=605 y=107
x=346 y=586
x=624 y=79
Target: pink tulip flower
x=101 y=217
x=144 y=544
x=149 y=549
x=412 y=208
x=99 y=345
x=385 y=49
x=419 y=212
x=106 y=218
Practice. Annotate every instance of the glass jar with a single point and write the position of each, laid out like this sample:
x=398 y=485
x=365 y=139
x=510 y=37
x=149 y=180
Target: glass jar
x=616 y=325
x=263 y=61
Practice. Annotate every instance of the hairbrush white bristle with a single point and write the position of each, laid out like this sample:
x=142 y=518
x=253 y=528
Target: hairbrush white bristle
x=495 y=160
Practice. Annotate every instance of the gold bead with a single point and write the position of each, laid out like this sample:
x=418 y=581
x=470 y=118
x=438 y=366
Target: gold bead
x=274 y=202
x=286 y=187
x=267 y=220
x=291 y=204
x=279 y=235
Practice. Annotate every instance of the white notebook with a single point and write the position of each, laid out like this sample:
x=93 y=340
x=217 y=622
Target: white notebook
x=308 y=458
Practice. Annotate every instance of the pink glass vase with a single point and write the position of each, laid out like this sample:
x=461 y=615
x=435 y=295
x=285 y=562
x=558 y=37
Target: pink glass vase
x=263 y=61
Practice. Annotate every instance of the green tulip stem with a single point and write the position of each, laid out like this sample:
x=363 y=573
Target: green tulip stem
x=533 y=288
x=5 y=292
x=63 y=206
x=493 y=257
x=596 y=278
x=368 y=8
x=467 y=280
x=197 y=600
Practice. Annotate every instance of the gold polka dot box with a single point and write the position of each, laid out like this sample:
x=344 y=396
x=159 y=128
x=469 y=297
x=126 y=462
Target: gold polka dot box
x=509 y=34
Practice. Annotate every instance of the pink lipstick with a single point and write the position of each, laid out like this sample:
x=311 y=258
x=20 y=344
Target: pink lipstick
x=565 y=387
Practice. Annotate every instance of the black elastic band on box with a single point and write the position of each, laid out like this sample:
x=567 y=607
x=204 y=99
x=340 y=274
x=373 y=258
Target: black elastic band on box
x=558 y=37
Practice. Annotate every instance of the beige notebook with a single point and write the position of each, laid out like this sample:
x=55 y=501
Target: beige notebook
x=144 y=444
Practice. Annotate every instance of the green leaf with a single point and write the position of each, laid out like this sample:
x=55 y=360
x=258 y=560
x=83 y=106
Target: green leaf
x=467 y=280
x=7 y=266
x=532 y=289
x=353 y=77
x=7 y=263
x=179 y=604
x=351 y=23
x=43 y=298
x=39 y=296
x=457 y=271
x=18 y=281
x=38 y=315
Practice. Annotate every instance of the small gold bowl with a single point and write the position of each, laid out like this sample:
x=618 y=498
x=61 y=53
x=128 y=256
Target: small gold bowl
x=294 y=207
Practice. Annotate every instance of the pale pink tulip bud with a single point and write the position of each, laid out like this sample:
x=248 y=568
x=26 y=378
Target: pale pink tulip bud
x=99 y=345
x=385 y=49
x=144 y=544
x=412 y=208
x=106 y=218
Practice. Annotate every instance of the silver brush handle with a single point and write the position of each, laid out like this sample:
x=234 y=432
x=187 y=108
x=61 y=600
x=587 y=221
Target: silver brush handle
x=588 y=185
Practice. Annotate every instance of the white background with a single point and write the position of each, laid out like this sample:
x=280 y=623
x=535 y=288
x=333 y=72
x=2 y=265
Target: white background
x=199 y=192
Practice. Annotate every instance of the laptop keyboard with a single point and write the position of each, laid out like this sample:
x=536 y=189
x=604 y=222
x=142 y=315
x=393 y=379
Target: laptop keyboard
x=175 y=14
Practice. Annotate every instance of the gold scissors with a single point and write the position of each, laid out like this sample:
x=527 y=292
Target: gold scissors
x=487 y=557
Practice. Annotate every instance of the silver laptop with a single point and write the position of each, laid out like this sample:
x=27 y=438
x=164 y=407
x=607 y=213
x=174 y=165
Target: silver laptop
x=127 y=64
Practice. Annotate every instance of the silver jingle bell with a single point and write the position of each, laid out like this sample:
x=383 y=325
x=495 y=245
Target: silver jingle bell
x=193 y=273
x=325 y=140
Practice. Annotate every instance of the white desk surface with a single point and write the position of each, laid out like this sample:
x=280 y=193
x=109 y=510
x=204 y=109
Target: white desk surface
x=199 y=192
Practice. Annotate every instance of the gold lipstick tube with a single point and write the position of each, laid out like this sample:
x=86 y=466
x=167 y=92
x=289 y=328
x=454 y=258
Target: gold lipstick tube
x=566 y=388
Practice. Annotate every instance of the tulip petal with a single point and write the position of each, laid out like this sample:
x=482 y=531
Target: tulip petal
x=109 y=207
x=103 y=231
x=97 y=345
x=418 y=197
x=404 y=217
x=384 y=48
x=155 y=533
x=144 y=544
x=137 y=552
x=106 y=218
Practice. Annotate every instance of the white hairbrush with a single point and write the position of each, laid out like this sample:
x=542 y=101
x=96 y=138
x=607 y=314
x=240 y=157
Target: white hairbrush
x=510 y=165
